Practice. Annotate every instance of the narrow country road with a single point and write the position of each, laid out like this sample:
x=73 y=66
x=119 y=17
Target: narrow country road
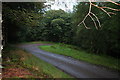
x=77 y=69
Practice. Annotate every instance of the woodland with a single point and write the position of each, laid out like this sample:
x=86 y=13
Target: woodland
x=24 y=22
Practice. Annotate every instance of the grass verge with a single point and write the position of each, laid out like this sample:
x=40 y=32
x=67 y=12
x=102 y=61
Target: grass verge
x=39 y=42
x=21 y=59
x=72 y=51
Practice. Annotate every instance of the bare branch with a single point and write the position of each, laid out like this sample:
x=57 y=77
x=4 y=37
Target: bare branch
x=112 y=13
x=111 y=8
x=94 y=21
x=113 y=2
x=85 y=26
x=97 y=19
x=101 y=9
x=83 y=19
x=90 y=13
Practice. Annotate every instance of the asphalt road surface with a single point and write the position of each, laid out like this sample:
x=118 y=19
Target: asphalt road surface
x=76 y=68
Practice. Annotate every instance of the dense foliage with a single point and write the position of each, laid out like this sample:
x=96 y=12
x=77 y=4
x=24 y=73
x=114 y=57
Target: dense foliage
x=57 y=26
x=18 y=18
x=29 y=22
x=105 y=40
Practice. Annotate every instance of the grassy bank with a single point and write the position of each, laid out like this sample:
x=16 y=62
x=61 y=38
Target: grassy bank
x=39 y=42
x=72 y=51
x=17 y=58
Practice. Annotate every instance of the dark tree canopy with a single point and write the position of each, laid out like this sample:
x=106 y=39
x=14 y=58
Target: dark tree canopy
x=18 y=17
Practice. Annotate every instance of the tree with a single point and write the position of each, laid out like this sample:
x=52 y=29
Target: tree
x=18 y=18
x=57 y=26
x=102 y=41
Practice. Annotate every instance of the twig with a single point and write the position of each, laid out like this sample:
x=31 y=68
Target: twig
x=111 y=8
x=113 y=2
x=97 y=19
x=90 y=13
x=94 y=21
x=83 y=21
x=85 y=26
x=101 y=9
x=112 y=13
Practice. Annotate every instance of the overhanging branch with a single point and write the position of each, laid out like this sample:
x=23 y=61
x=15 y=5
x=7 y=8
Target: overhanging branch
x=91 y=14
